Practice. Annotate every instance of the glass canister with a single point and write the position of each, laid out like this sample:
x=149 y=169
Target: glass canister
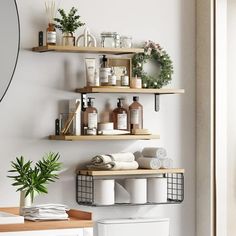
x=126 y=41
x=110 y=40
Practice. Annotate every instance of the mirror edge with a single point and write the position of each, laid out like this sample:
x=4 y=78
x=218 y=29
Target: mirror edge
x=17 y=54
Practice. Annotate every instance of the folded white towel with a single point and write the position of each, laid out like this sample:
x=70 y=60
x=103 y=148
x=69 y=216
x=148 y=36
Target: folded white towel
x=123 y=157
x=114 y=165
x=154 y=152
x=149 y=163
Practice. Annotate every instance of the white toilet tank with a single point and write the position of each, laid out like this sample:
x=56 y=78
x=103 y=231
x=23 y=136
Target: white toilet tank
x=133 y=227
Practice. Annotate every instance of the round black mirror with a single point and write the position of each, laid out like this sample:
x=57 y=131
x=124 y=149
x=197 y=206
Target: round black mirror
x=9 y=43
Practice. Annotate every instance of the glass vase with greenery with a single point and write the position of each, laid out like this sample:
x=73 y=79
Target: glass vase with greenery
x=33 y=179
x=68 y=24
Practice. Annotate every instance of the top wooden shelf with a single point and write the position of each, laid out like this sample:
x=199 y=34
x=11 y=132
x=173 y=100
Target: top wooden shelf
x=77 y=219
x=114 y=51
x=109 y=89
x=129 y=172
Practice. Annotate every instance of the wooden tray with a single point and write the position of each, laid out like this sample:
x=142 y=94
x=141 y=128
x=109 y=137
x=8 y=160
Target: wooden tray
x=78 y=219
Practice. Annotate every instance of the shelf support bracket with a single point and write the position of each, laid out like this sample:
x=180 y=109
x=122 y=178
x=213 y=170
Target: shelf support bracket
x=157 y=102
x=83 y=101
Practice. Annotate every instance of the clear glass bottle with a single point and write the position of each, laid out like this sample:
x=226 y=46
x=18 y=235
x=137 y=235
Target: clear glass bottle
x=112 y=78
x=51 y=36
x=125 y=79
x=90 y=118
x=104 y=72
x=120 y=117
x=136 y=114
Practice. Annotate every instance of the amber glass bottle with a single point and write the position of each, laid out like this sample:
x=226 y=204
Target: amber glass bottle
x=136 y=114
x=51 y=36
x=89 y=118
x=120 y=117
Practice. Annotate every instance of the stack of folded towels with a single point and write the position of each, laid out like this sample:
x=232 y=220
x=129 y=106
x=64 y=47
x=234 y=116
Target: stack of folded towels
x=46 y=212
x=154 y=158
x=115 y=161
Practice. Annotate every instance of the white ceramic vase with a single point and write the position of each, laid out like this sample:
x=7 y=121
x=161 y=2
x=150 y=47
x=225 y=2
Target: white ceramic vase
x=24 y=201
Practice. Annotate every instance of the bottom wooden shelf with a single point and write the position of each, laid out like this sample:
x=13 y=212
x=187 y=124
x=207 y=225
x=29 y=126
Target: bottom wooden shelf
x=102 y=137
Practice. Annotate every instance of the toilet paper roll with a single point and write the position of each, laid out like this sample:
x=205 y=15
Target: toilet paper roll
x=104 y=191
x=121 y=194
x=157 y=190
x=137 y=188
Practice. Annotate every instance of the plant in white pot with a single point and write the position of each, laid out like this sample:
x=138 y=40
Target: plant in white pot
x=68 y=24
x=33 y=179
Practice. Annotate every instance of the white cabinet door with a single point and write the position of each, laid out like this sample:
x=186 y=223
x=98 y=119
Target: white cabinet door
x=62 y=232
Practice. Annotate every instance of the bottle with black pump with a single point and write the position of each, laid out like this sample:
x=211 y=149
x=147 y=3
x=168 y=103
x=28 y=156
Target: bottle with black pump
x=89 y=119
x=120 y=116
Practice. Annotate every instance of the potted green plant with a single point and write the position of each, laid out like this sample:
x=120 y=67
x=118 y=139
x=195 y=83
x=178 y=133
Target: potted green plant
x=33 y=179
x=68 y=24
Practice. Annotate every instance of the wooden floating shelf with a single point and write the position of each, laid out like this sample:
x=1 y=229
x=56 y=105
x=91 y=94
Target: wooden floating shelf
x=109 y=89
x=129 y=172
x=116 y=51
x=102 y=137
x=77 y=219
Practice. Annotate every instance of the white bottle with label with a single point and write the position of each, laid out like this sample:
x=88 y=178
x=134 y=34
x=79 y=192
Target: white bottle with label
x=120 y=117
x=90 y=119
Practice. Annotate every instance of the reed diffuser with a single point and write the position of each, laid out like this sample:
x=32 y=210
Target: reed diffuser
x=50 y=8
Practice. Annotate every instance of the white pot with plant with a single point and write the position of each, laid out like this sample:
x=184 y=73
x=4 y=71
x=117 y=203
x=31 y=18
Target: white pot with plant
x=68 y=24
x=33 y=180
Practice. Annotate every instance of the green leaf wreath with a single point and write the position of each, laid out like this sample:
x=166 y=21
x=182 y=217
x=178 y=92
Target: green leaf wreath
x=153 y=51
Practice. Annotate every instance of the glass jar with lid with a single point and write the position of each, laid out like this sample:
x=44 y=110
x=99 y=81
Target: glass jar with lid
x=110 y=40
x=126 y=41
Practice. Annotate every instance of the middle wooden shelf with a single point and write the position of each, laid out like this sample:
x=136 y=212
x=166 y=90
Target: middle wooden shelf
x=114 y=89
x=102 y=137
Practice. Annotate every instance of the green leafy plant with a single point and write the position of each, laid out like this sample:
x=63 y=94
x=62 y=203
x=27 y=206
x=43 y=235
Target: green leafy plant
x=68 y=23
x=33 y=179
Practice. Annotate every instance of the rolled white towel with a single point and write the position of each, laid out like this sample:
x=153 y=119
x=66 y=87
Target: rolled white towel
x=115 y=165
x=166 y=163
x=123 y=157
x=149 y=163
x=118 y=165
x=154 y=152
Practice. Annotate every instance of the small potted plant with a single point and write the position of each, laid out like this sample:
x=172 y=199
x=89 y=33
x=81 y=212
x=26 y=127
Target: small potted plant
x=32 y=180
x=68 y=24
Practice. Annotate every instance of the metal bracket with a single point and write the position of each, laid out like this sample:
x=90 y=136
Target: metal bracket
x=83 y=101
x=157 y=102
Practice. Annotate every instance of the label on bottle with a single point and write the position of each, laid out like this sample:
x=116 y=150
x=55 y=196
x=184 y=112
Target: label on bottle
x=122 y=121
x=104 y=74
x=92 y=120
x=51 y=37
x=135 y=116
x=125 y=80
x=112 y=80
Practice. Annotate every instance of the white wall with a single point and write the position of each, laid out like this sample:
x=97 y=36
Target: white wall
x=43 y=82
x=231 y=118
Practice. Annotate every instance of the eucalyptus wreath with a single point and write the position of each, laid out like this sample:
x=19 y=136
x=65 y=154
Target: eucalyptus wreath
x=153 y=51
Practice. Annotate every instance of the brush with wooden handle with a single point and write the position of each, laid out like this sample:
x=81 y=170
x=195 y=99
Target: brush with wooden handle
x=70 y=119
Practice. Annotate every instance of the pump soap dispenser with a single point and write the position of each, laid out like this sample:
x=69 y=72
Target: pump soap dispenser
x=90 y=119
x=120 y=116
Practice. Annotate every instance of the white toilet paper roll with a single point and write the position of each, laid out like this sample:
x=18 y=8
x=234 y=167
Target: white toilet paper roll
x=121 y=194
x=157 y=190
x=104 y=191
x=137 y=188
